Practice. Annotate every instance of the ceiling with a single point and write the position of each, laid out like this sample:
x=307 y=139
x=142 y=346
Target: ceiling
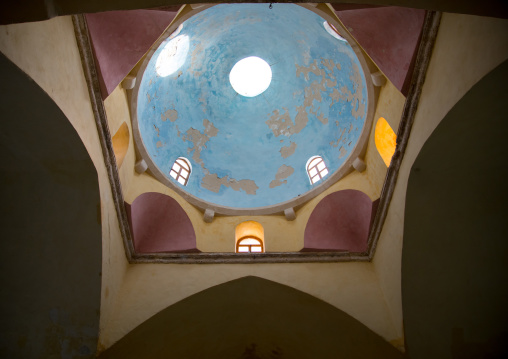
x=250 y=152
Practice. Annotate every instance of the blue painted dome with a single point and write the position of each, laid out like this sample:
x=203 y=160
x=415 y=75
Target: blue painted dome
x=251 y=152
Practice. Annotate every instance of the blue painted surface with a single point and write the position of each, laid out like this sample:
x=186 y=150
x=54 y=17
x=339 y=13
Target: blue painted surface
x=243 y=144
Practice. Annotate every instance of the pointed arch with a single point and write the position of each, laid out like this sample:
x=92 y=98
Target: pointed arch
x=260 y=319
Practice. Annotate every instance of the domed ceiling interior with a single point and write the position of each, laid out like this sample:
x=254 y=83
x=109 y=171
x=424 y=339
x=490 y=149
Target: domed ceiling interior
x=250 y=151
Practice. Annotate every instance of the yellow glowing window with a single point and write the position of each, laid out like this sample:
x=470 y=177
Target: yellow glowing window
x=181 y=170
x=386 y=140
x=316 y=169
x=121 y=143
x=250 y=237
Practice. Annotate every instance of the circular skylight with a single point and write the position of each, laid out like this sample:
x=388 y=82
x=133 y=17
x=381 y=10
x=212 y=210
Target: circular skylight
x=250 y=76
x=173 y=56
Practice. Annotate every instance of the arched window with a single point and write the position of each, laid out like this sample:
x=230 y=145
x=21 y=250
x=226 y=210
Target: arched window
x=181 y=170
x=121 y=143
x=249 y=245
x=332 y=30
x=249 y=237
x=386 y=140
x=316 y=169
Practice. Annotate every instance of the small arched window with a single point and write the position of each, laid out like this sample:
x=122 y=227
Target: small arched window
x=249 y=245
x=316 y=169
x=250 y=237
x=121 y=143
x=386 y=140
x=181 y=170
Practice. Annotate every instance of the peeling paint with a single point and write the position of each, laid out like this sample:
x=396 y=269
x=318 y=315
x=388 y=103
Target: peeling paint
x=210 y=129
x=213 y=183
x=282 y=173
x=287 y=151
x=159 y=144
x=342 y=152
x=322 y=119
x=171 y=115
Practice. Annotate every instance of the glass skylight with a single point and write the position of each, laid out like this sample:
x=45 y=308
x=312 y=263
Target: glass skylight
x=250 y=76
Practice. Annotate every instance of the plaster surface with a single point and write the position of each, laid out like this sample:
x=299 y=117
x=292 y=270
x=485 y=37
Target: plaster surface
x=48 y=53
x=456 y=213
x=390 y=38
x=159 y=224
x=250 y=152
x=121 y=38
x=51 y=236
x=340 y=221
x=251 y=317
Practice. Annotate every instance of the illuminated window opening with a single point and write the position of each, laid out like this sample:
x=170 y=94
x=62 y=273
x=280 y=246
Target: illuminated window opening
x=249 y=245
x=181 y=170
x=250 y=237
x=386 y=140
x=121 y=143
x=172 y=56
x=316 y=169
x=332 y=30
x=250 y=76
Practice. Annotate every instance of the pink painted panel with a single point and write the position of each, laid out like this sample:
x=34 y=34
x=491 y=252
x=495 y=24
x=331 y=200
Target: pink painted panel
x=121 y=38
x=390 y=36
x=159 y=224
x=340 y=221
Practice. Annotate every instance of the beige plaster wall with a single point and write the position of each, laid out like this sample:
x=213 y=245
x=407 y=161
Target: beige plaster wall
x=467 y=48
x=149 y=288
x=48 y=53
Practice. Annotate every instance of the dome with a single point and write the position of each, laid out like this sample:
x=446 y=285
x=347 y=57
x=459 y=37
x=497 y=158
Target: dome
x=300 y=92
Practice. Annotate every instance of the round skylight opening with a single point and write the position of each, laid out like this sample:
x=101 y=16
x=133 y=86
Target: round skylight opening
x=172 y=56
x=250 y=76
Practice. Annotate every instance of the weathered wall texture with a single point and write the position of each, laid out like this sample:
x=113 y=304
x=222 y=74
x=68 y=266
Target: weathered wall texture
x=250 y=152
x=48 y=53
x=467 y=48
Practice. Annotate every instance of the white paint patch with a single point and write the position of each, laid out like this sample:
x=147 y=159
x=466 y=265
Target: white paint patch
x=250 y=76
x=173 y=56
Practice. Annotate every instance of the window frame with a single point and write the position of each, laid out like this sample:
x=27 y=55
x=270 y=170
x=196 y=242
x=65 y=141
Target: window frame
x=310 y=166
x=238 y=244
x=184 y=164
